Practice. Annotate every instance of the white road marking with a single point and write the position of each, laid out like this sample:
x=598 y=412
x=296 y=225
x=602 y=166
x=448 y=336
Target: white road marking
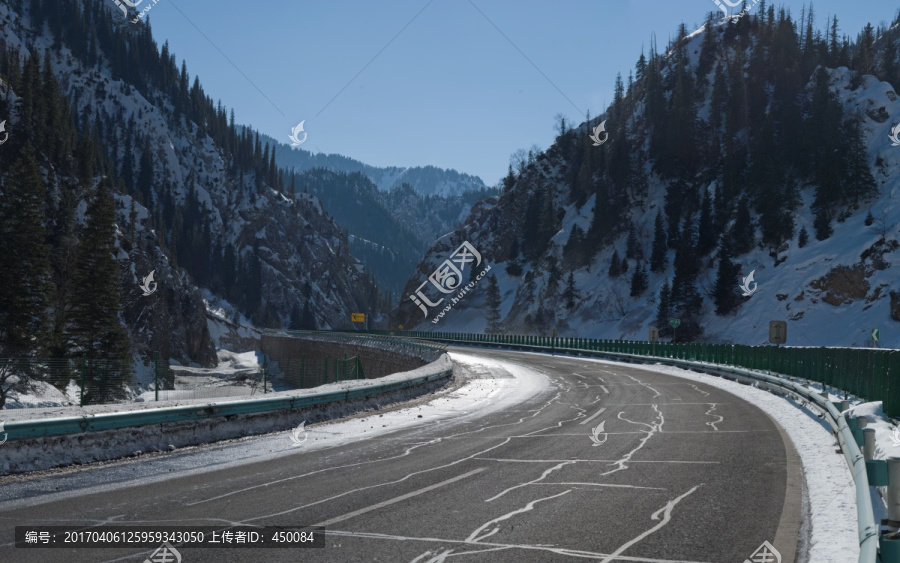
x=395 y=500
x=605 y=390
x=593 y=416
x=667 y=516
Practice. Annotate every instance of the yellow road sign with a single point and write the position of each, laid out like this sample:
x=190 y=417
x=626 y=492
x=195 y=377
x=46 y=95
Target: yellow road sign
x=357 y=317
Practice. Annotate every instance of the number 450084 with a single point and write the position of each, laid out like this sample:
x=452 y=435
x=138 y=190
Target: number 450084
x=293 y=537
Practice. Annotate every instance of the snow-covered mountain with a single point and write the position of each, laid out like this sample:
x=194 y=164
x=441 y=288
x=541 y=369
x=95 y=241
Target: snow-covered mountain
x=759 y=145
x=197 y=201
x=425 y=180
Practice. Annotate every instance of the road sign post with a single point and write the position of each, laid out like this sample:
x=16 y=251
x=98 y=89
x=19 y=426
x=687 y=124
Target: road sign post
x=777 y=332
x=674 y=323
x=654 y=337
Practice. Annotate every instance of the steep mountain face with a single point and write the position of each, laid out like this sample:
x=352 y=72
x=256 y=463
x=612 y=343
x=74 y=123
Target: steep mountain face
x=388 y=230
x=425 y=180
x=94 y=110
x=754 y=145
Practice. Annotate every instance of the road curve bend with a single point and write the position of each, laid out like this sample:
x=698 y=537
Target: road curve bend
x=603 y=463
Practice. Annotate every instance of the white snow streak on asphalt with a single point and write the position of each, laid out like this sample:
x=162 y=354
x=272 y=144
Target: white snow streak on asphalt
x=829 y=484
x=653 y=429
x=720 y=417
x=475 y=537
x=697 y=389
x=667 y=516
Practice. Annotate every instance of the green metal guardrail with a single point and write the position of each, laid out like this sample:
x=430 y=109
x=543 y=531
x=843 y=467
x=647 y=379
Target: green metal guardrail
x=109 y=421
x=872 y=375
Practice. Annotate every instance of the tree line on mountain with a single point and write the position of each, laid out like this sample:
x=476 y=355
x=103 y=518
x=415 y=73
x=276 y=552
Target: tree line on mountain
x=733 y=173
x=60 y=287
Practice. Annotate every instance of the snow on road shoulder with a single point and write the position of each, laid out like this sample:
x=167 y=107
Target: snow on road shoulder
x=828 y=482
x=486 y=386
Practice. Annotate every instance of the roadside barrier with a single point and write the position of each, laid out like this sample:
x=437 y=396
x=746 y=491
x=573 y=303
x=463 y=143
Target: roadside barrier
x=25 y=430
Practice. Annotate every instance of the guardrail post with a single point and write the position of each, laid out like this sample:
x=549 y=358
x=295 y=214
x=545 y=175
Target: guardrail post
x=869 y=444
x=893 y=498
x=845 y=404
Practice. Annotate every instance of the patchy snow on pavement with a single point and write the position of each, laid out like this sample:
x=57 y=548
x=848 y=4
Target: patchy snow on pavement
x=828 y=482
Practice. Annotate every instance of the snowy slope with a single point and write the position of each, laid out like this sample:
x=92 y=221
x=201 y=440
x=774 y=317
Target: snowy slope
x=831 y=292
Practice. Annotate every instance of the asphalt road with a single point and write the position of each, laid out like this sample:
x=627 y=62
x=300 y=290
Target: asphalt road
x=609 y=463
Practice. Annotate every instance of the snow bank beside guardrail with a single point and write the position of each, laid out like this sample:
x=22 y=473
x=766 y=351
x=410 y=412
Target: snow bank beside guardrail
x=97 y=434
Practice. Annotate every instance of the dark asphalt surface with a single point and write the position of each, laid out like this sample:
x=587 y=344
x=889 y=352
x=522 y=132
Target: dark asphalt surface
x=610 y=463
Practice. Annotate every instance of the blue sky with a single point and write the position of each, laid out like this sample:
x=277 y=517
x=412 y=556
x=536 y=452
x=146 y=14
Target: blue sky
x=452 y=83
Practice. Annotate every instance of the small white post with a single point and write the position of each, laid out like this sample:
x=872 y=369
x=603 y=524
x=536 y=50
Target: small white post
x=869 y=444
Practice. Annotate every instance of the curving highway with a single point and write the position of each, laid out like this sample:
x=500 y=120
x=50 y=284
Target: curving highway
x=596 y=461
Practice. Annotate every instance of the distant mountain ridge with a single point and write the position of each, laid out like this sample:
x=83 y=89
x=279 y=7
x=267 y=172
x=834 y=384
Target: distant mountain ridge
x=425 y=180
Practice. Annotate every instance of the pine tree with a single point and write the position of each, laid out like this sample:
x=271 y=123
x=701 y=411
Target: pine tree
x=664 y=309
x=723 y=294
x=95 y=299
x=570 y=293
x=658 y=259
x=858 y=181
x=822 y=223
x=803 y=237
x=307 y=319
x=633 y=250
x=615 y=267
x=492 y=304
x=639 y=281
x=742 y=233
x=25 y=275
x=706 y=232
x=295 y=322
